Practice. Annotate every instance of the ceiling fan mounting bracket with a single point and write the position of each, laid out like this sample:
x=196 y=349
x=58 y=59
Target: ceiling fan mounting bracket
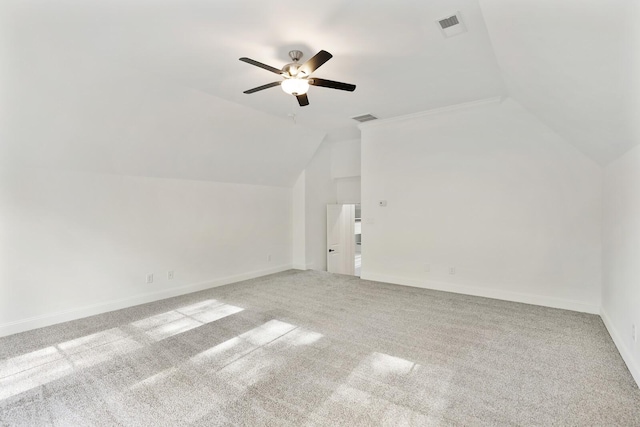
x=295 y=55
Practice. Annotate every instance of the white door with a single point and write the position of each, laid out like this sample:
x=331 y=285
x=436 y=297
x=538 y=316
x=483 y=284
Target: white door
x=340 y=239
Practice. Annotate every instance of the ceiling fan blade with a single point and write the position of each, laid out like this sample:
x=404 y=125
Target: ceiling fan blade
x=331 y=84
x=261 y=65
x=314 y=63
x=267 y=86
x=303 y=100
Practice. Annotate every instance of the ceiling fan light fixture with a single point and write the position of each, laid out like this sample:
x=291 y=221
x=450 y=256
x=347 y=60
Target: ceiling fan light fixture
x=295 y=86
x=297 y=78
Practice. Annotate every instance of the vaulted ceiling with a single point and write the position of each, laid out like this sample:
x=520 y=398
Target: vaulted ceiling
x=575 y=65
x=155 y=87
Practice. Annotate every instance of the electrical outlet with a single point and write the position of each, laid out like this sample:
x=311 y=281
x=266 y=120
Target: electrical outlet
x=452 y=270
x=170 y=275
x=633 y=332
x=150 y=278
x=427 y=268
x=269 y=258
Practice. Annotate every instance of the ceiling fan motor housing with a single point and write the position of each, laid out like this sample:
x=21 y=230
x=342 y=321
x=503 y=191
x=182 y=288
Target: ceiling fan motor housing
x=292 y=68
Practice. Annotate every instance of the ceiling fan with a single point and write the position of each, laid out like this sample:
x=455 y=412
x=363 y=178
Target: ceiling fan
x=297 y=78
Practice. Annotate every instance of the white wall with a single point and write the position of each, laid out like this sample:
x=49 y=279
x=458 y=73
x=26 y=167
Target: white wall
x=299 y=232
x=345 y=159
x=345 y=169
x=74 y=244
x=348 y=190
x=332 y=176
x=80 y=231
x=490 y=191
x=621 y=267
x=320 y=190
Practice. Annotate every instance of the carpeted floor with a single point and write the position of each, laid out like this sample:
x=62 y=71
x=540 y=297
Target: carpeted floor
x=311 y=348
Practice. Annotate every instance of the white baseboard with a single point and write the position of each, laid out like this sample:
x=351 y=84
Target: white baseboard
x=487 y=293
x=299 y=267
x=624 y=351
x=103 y=307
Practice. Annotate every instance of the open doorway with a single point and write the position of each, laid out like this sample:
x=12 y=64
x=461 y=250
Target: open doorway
x=344 y=239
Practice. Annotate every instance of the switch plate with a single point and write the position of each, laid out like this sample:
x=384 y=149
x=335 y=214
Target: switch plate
x=150 y=278
x=452 y=270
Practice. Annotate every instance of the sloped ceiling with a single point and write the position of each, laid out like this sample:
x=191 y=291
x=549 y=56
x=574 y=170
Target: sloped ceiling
x=573 y=64
x=66 y=105
x=154 y=88
x=96 y=117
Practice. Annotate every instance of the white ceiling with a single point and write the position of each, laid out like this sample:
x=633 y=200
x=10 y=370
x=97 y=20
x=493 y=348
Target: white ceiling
x=393 y=51
x=154 y=87
x=77 y=112
x=574 y=64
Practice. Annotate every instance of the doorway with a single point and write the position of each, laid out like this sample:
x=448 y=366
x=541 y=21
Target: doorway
x=344 y=239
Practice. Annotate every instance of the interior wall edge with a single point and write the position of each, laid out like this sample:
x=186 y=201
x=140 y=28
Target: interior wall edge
x=49 y=319
x=540 y=300
x=625 y=353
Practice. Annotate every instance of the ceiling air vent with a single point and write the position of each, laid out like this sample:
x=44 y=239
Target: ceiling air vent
x=451 y=25
x=449 y=22
x=364 y=118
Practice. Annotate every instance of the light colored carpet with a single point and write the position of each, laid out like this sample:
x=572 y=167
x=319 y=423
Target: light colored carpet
x=310 y=348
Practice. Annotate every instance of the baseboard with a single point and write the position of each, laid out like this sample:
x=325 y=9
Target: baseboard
x=103 y=307
x=624 y=351
x=299 y=267
x=487 y=293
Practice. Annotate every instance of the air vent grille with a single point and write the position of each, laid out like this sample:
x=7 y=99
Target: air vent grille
x=451 y=25
x=364 y=118
x=449 y=22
